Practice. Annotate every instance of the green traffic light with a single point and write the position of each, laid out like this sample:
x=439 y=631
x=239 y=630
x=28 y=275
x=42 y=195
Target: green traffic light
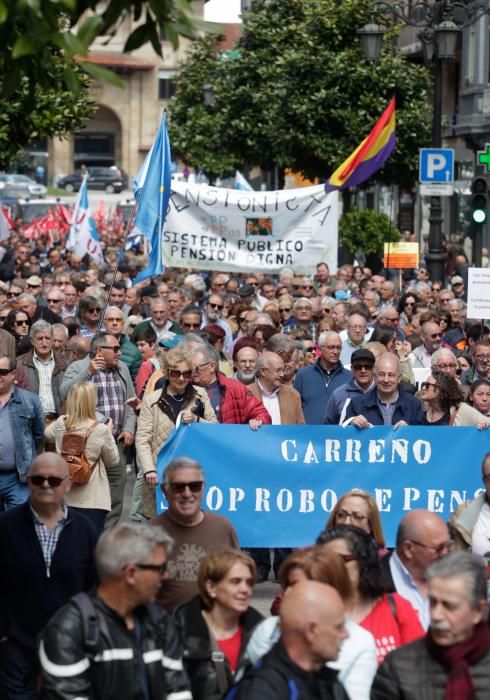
x=479 y=216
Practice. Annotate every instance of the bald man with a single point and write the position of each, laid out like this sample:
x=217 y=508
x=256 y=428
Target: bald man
x=422 y=538
x=46 y=556
x=312 y=631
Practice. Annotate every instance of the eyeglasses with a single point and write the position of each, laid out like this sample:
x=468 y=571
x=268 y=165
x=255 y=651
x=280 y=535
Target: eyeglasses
x=435 y=549
x=306 y=286
x=53 y=301
x=94 y=310
x=426 y=385
x=445 y=367
x=114 y=348
x=278 y=370
x=34 y=286
x=285 y=308
x=3 y=318
x=435 y=335
x=14 y=294
x=332 y=348
x=310 y=350
x=157 y=568
x=22 y=323
x=253 y=284
x=191 y=325
x=356 y=517
x=482 y=358
x=176 y=373
x=197 y=368
x=349 y=557
x=409 y=303
x=180 y=486
x=303 y=308
x=215 y=306
x=53 y=481
x=4 y=372
x=114 y=320
x=364 y=365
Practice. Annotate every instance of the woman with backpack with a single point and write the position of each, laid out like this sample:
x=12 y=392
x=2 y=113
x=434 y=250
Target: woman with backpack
x=89 y=449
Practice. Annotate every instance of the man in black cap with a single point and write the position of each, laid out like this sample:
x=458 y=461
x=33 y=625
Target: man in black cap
x=362 y=365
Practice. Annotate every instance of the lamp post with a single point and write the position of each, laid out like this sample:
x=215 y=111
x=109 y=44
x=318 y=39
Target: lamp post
x=439 y=23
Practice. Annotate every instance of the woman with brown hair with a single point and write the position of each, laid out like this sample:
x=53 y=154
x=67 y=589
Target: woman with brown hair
x=177 y=401
x=217 y=623
x=445 y=404
x=358 y=508
x=356 y=662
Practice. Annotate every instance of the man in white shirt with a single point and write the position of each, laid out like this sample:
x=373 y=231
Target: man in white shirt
x=431 y=341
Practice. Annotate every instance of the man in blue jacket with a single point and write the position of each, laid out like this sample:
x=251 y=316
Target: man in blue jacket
x=316 y=383
x=46 y=556
x=386 y=403
x=362 y=366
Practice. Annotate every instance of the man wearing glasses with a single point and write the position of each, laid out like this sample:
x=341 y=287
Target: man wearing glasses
x=431 y=341
x=35 y=310
x=481 y=366
x=46 y=556
x=114 y=387
x=212 y=314
x=195 y=532
x=422 y=538
x=135 y=644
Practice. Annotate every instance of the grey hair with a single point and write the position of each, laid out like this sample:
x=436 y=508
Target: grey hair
x=328 y=301
x=280 y=342
x=40 y=327
x=180 y=463
x=26 y=296
x=459 y=302
x=11 y=359
x=466 y=564
x=99 y=341
x=128 y=543
x=264 y=358
x=323 y=336
x=60 y=327
x=302 y=300
x=439 y=354
x=210 y=354
x=421 y=285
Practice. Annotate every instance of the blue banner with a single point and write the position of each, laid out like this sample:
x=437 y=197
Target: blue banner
x=279 y=484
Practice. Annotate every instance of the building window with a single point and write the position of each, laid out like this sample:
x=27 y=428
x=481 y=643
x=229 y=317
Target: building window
x=166 y=88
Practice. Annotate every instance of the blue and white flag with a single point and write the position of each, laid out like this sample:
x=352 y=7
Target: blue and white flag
x=151 y=188
x=241 y=183
x=83 y=237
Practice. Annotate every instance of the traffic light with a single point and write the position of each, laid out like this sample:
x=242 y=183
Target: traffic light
x=479 y=202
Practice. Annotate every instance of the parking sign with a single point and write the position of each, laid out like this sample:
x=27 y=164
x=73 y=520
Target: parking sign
x=436 y=165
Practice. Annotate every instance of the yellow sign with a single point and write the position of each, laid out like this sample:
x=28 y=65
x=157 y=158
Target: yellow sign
x=401 y=255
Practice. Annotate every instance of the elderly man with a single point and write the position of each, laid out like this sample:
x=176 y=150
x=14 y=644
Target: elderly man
x=77 y=348
x=386 y=403
x=44 y=369
x=130 y=355
x=191 y=319
x=55 y=299
x=356 y=336
x=160 y=320
x=300 y=324
x=422 y=537
x=316 y=383
x=312 y=630
x=244 y=364
x=114 y=387
x=70 y=307
x=445 y=360
x=431 y=341
x=470 y=524
x=212 y=314
x=136 y=648
x=481 y=364
x=283 y=403
x=453 y=661
x=29 y=304
x=362 y=368
x=46 y=556
x=387 y=293
x=195 y=532
x=232 y=402
x=339 y=315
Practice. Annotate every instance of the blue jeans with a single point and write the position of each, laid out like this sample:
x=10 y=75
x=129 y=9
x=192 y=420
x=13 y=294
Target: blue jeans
x=12 y=491
x=18 y=672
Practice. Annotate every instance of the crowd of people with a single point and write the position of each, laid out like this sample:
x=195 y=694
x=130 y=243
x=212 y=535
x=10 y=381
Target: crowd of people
x=95 y=374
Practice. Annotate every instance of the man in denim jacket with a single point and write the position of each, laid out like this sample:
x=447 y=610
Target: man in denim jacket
x=21 y=435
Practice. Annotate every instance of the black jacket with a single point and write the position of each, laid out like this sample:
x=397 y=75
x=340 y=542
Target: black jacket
x=276 y=677
x=407 y=408
x=121 y=656
x=28 y=596
x=197 y=653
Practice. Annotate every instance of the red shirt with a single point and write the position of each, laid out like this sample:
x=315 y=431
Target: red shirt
x=388 y=632
x=231 y=647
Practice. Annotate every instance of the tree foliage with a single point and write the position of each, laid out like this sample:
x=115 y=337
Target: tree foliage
x=297 y=93
x=365 y=230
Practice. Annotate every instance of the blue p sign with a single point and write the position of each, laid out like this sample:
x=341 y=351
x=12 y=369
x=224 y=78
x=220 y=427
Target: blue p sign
x=436 y=165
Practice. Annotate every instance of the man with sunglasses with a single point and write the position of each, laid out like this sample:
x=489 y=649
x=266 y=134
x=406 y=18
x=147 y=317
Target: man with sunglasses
x=114 y=387
x=362 y=368
x=212 y=314
x=431 y=341
x=35 y=310
x=46 y=556
x=195 y=532
x=135 y=652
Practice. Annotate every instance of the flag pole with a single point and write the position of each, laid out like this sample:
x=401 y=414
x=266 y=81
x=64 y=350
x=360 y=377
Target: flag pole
x=127 y=231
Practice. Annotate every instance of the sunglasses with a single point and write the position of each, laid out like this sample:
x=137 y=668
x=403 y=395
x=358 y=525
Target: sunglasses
x=216 y=306
x=53 y=481
x=14 y=294
x=426 y=385
x=409 y=303
x=310 y=350
x=3 y=318
x=34 y=286
x=192 y=325
x=22 y=323
x=306 y=286
x=93 y=311
x=368 y=365
x=4 y=372
x=54 y=301
x=157 y=568
x=285 y=308
x=176 y=373
x=114 y=320
x=243 y=319
x=180 y=486
x=114 y=348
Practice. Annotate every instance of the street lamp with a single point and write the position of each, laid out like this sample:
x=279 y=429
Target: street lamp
x=439 y=23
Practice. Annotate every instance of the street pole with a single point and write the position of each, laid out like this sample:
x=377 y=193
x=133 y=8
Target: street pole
x=436 y=255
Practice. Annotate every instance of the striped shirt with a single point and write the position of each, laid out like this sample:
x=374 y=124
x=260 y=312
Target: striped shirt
x=45 y=373
x=110 y=397
x=48 y=540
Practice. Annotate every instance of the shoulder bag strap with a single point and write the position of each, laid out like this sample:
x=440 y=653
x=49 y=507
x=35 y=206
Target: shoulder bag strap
x=219 y=660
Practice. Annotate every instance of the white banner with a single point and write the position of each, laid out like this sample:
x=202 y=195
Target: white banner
x=213 y=228
x=478 y=292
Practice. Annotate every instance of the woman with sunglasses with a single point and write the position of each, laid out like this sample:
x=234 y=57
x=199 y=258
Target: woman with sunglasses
x=406 y=309
x=89 y=310
x=19 y=324
x=359 y=508
x=390 y=618
x=445 y=403
x=175 y=400
x=356 y=663
x=93 y=498
x=216 y=625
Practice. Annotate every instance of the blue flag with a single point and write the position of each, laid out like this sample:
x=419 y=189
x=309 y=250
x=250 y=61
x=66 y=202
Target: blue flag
x=153 y=183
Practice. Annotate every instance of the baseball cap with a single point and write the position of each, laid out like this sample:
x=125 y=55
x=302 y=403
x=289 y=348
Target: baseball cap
x=170 y=340
x=454 y=280
x=34 y=281
x=362 y=355
x=246 y=290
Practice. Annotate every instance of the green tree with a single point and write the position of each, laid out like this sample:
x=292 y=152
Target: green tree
x=297 y=93
x=366 y=231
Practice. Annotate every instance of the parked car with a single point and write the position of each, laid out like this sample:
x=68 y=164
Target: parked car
x=111 y=179
x=32 y=187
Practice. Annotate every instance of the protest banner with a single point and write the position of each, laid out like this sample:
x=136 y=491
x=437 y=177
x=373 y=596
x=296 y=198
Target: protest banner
x=212 y=228
x=279 y=485
x=401 y=255
x=479 y=292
